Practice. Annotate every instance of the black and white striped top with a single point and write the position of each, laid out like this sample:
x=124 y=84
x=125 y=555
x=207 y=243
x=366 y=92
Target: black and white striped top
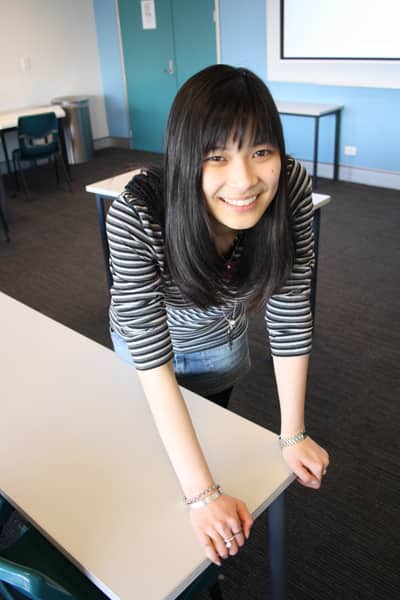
x=149 y=312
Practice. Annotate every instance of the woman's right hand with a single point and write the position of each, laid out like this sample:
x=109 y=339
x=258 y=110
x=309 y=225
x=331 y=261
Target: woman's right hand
x=223 y=519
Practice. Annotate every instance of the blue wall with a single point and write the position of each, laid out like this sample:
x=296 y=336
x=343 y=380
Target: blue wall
x=370 y=118
x=243 y=41
x=371 y=115
x=111 y=68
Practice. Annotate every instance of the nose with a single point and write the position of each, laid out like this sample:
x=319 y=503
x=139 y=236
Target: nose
x=241 y=175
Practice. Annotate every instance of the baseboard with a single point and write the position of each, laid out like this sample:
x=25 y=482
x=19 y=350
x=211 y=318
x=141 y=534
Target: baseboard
x=377 y=178
x=111 y=142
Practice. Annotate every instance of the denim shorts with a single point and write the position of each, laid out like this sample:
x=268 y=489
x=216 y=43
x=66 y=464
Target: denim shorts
x=205 y=372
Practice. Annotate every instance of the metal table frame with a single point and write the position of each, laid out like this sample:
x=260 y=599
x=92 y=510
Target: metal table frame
x=316 y=112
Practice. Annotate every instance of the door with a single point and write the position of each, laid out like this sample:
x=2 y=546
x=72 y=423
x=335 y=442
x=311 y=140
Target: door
x=158 y=61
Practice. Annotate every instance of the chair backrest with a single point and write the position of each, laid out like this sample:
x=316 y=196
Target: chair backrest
x=38 y=135
x=30 y=582
x=34 y=567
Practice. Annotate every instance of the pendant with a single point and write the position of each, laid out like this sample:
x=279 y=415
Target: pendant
x=231 y=324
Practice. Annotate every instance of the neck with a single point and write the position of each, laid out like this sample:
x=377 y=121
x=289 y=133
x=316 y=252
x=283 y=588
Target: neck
x=224 y=237
x=224 y=243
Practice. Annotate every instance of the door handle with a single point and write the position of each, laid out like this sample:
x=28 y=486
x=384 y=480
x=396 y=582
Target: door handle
x=171 y=67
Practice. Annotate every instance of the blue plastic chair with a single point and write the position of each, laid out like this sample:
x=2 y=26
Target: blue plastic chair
x=38 y=139
x=31 y=567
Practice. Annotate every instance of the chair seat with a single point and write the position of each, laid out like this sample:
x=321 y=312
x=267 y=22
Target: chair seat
x=36 y=152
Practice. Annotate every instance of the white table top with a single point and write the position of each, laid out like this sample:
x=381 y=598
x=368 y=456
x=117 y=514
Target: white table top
x=80 y=456
x=9 y=118
x=306 y=109
x=113 y=186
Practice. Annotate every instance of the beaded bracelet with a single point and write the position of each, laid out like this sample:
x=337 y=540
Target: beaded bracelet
x=292 y=440
x=212 y=488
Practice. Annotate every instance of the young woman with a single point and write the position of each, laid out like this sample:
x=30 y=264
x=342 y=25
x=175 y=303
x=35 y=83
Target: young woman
x=225 y=228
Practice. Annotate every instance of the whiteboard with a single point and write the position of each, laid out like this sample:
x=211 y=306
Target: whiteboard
x=340 y=29
x=367 y=73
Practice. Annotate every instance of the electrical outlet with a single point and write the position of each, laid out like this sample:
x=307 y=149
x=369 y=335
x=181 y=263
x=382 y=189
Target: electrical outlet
x=350 y=150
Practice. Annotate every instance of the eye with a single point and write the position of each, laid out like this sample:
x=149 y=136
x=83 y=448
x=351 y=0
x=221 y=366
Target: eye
x=214 y=158
x=263 y=152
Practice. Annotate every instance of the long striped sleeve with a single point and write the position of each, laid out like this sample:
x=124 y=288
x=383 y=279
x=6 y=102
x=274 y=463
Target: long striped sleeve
x=288 y=314
x=137 y=300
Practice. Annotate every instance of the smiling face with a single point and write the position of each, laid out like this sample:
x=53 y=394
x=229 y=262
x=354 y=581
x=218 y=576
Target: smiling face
x=239 y=183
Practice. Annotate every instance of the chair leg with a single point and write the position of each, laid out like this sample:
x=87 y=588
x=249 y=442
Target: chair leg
x=54 y=159
x=5 y=227
x=24 y=183
x=66 y=174
x=15 y=175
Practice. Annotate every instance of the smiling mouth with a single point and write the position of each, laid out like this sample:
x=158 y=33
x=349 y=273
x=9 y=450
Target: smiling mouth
x=239 y=201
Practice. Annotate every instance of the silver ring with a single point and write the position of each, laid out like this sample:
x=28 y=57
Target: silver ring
x=228 y=542
x=237 y=532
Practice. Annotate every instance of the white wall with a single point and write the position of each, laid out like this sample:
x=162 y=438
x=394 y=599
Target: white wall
x=58 y=39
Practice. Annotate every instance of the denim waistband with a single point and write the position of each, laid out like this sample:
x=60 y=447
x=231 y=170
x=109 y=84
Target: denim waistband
x=204 y=372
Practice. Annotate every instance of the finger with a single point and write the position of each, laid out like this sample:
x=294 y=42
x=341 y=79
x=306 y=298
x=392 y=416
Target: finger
x=209 y=548
x=245 y=518
x=307 y=478
x=237 y=531
x=314 y=484
x=318 y=469
x=212 y=554
x=218 y=538
x=228 y=540
x=239 y=536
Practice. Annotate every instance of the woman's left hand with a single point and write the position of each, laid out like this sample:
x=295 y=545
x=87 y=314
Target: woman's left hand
x=308 y=461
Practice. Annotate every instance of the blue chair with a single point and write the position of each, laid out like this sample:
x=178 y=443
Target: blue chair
x=31 y=567
x=38 y=139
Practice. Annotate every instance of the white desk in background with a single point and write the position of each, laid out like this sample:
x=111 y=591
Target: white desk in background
x=81 y=458
x=316 y=112
x=9 y=121
x=109 y=189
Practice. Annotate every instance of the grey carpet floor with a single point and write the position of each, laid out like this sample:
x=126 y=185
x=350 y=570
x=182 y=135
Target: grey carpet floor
x=343 y=541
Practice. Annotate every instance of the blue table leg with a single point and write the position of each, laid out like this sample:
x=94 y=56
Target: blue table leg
x=277 y=549
x=315 y=156
x=102 y=227
x=337 y=145
x=316 y=225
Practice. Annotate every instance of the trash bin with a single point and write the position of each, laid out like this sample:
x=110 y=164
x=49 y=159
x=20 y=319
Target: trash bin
x=77 y=128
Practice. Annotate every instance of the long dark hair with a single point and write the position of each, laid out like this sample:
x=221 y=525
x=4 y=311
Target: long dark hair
x=215 y=104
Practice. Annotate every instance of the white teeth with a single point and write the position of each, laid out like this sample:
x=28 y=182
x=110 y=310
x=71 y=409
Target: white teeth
x=245 y=202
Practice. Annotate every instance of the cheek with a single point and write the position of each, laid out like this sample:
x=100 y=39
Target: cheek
x=275 y=173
